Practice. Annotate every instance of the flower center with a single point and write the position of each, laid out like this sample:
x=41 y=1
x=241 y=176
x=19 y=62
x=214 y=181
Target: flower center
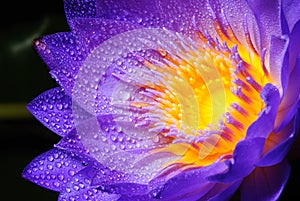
x=197 y=99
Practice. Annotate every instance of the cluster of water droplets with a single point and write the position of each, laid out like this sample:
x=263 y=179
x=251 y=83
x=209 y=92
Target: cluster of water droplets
x=53 y=169
x=54 y=109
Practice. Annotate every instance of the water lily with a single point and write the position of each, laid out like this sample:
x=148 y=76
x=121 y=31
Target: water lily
x=170 y=100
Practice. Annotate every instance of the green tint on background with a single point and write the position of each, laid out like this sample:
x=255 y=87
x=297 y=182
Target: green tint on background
x=23 y=73
x=23 y=76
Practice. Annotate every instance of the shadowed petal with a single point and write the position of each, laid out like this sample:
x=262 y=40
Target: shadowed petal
x=291 y=97
x=291 y=100
x=221 y=192
x=265 y=183
x=191 y=185
x=289 y=115
x=278 y=154
x=136 y=198
x=53 y=108
x=294 y=49
x=279 y=144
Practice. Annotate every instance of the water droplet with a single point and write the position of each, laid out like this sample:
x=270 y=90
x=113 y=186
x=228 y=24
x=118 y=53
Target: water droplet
x=76 y=188
x=60 y=177
x=56 y=184
x=71 y=172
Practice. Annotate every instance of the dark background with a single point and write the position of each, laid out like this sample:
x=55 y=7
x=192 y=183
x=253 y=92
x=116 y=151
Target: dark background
x=23 y=77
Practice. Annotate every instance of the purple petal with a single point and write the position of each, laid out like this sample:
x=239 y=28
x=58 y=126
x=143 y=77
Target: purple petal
x=286 y=115
x=190 y=185
x=223 y=10
x=192 y=195
x=291 y=97
x=279 y=66
x=71 y=142
x=123 y=140
x=265 y=122
x=136 y=198
x=265 y=183
x=291 y=100
x=245 y=155
x=53 y=169
x=63 y=55
x=78 y=188
x=176 y=14
x=88 y=34
x=221 y=192
x=64 y=77
x=92 y=32
x=294 y=49
x=84 y=9
x=129 y=189
x=284 y=24
x=190 y=16
x=53 y=108
x=277 y=154
x=120 y=152
x=267 y=14
x=106 y=176
x=291 y=9
x=142 y=12
x=280 y=144
x=202 y=17
x=59 y=50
